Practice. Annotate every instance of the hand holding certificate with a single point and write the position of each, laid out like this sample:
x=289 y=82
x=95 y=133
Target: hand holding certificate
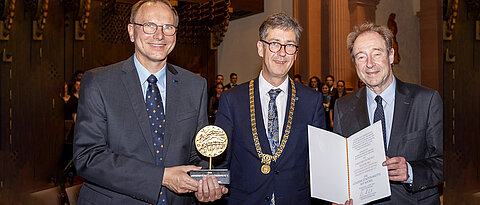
x=348 y=168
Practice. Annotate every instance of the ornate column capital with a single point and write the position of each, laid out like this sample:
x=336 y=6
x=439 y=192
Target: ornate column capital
x=363 y=3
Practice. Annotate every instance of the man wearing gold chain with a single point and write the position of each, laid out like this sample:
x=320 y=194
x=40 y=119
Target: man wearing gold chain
x=266 y=121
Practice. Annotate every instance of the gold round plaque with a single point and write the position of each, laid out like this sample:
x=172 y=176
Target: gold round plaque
x=211 y=141
x=265 y=169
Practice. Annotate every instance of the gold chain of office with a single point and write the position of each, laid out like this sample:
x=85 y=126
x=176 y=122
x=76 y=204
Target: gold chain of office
x=266 y=158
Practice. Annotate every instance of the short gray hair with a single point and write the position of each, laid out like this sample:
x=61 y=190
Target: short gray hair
x=369 y=27
x=140 y=3
x=282 y=21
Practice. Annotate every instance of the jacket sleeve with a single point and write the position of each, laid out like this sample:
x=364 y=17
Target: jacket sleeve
x=428 y=172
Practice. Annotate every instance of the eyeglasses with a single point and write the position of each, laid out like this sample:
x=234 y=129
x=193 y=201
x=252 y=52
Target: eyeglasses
x=151 y=28
x=274 y=47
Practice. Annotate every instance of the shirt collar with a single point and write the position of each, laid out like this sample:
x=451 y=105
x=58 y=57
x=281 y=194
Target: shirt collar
x=143 y=73
x=388 y=95
x=265 y=86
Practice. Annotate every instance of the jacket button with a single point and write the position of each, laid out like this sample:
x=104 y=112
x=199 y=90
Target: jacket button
x=268 y=198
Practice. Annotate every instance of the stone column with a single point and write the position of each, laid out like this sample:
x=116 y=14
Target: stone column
x=362 y=11
x=431 y=65
x=339 y=27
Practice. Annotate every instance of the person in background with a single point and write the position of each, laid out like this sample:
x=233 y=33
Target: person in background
x=298 y=78
x=233 y=81
x=340 y=93
x=327 y=98
x=212 y=90
x=313 y=83
x=330 y=81
x=213 y=103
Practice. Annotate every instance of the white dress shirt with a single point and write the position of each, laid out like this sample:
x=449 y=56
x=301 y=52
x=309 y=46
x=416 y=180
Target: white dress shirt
x=161 y=75
x=280 y=101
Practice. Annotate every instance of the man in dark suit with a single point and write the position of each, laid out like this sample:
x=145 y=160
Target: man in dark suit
x=411 y=115
x=137 y=120
x=233 y=81
x=266 y=121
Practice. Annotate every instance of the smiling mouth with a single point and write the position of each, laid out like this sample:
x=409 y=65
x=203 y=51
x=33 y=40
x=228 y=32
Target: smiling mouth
x=157 y=45
x=279 y=61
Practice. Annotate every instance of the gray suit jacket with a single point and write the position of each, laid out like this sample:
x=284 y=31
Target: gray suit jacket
x=113 y=145
x=417 y=135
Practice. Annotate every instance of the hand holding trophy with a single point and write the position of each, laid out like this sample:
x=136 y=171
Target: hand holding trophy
x=211 y=141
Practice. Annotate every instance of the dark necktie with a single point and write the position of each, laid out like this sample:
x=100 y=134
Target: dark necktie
x=380 y=115
x=273 y=132
x=273 y=137
x=156 y=118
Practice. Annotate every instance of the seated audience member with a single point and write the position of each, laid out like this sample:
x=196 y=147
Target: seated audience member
x=313 y=83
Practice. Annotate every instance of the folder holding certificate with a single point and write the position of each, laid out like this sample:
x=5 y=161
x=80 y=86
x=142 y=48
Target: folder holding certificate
x=348 y=168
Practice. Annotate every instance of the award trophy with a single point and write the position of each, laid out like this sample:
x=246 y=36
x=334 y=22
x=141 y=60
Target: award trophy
x=211 y=141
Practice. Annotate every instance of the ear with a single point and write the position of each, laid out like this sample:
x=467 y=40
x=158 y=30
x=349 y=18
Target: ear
x=260 y=48
x=131 y=32
x=391 y=57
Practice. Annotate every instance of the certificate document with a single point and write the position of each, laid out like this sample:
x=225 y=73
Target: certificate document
x=343 y=168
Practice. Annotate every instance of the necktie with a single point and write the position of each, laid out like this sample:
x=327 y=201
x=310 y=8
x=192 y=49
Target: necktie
x=156 y=118
x=380 y=115
x=273 y=137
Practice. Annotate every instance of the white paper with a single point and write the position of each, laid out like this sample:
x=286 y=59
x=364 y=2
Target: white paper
x=368 y=178
x=328 y=165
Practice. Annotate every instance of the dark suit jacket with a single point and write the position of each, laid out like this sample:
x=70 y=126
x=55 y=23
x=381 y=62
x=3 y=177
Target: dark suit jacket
x=417 y=135
x=113 y=145
x=288 y=176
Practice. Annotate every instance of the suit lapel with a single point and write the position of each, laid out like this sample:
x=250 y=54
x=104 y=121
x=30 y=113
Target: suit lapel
x=291 y=139
x=262 y=133
x=400 y=113
x=134 y=92
x=358 y=111
x=173 y=94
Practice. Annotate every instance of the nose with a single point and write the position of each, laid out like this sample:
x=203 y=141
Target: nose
x=370 y=62
x=159 y=34
x=282 y=51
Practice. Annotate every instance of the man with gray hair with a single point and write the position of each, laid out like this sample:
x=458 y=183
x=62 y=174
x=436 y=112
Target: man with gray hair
x=137 y=120
x=266 y=121
x=411 y=117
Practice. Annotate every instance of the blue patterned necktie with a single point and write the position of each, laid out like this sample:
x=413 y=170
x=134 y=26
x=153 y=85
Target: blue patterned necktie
x=273 y=137
x=380 y=115
x=273 y=133
x=156 y=118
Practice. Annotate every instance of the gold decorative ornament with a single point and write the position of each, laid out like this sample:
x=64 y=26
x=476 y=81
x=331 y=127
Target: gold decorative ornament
x=82 y=19
x=265 y=169
x=40 y=19
x=266 y=159
x=6 y=19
